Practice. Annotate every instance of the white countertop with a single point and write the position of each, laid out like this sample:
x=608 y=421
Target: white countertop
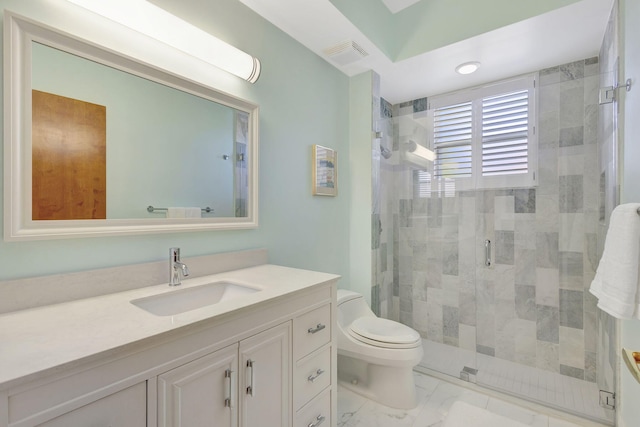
x=37 y=340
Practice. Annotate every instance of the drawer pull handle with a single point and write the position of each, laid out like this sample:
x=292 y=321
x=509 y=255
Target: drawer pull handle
x=312 y=377
x=318 y=328
x=251 y=386
x=227 y=401
x=319 y=420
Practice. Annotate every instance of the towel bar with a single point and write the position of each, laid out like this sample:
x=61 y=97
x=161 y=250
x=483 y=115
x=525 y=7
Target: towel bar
x=151 y=209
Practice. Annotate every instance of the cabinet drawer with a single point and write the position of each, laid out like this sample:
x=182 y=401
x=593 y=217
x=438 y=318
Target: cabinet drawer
x=312 y=375
x=311 y=331
x=316 y=413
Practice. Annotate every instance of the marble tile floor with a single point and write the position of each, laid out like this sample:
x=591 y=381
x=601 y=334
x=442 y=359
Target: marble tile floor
x=435 y=397
x=547 y=388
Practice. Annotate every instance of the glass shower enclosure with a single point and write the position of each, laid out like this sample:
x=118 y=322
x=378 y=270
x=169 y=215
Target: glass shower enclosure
x=496 y=279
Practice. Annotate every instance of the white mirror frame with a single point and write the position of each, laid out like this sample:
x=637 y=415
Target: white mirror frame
x=77 y=31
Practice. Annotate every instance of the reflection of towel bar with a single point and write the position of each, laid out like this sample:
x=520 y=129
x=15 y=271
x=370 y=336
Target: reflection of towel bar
x=152 y=209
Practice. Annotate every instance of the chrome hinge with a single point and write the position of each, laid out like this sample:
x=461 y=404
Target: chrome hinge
x=607 y=399
x=468 y=374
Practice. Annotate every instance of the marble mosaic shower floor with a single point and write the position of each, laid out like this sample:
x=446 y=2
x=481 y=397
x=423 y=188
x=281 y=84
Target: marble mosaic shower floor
x=548 y=388
x=435 y=398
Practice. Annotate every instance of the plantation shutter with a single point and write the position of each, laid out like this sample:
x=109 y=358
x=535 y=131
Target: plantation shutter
x=424 y=183
x=484 y=137
x=505 y=134
x=452 y=132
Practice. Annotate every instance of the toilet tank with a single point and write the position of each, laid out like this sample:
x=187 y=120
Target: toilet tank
x=351 y=306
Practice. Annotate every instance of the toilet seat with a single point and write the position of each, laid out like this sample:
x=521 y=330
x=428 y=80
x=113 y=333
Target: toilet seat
x=384 y=333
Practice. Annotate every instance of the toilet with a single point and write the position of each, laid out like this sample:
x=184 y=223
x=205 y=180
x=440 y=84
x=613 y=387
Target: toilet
x=376 y=356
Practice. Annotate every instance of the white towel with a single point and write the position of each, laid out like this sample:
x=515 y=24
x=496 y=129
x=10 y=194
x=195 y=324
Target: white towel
x=616 y=281
x=192 y=213
x=184 y=213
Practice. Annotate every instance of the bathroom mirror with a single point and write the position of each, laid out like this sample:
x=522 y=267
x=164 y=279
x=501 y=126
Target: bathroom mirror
x=97 y=143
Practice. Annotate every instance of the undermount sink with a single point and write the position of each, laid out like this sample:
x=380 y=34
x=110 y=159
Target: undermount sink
x=186 y=299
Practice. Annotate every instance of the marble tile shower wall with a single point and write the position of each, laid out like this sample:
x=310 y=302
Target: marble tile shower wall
x=379 y=196
x=383 y=240
x=532 y=306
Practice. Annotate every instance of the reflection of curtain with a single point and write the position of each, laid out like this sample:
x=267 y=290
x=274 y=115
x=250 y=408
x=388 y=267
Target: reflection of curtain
x=241 y=178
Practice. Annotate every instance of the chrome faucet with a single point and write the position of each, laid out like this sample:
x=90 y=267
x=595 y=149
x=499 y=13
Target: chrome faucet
x=177 y=269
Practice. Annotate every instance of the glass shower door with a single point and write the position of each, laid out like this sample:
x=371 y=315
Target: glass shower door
x=506 y=311
x=447 y=304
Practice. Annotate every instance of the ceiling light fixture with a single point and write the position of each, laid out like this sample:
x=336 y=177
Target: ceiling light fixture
x=467 y=68
x=151 y=20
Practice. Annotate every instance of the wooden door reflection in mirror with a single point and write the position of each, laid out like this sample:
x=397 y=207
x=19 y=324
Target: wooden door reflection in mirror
x=68 y=158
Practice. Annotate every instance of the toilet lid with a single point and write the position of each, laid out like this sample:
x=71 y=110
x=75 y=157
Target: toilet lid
x=384 y=333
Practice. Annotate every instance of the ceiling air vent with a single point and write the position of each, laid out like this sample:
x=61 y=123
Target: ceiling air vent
x=346 y=52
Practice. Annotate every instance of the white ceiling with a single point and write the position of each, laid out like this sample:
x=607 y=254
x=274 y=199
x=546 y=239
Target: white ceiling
x=564 y=35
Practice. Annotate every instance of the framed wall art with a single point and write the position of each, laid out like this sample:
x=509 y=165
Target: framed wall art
x=325 y=171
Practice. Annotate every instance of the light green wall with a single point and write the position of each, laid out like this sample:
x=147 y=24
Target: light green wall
x=431 y=24
x=303 y=101
x=629 y=13
x=360 y=122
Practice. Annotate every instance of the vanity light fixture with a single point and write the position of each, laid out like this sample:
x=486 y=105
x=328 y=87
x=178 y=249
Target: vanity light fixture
x=467 y=67
x=155 y=22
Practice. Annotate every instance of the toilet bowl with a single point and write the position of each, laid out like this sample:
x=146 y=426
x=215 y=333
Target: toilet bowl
x=376 y=356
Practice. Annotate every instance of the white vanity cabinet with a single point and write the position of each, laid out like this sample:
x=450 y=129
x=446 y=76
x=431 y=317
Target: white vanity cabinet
x=314 y=366
x=265 y=372
x=124 y=408
x=199 y=392
x=245 y=384
x=269 y=362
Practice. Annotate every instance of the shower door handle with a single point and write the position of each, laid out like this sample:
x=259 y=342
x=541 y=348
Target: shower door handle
x=487 y=253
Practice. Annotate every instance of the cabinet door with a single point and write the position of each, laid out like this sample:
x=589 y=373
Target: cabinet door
x=265 y=378
x=201 y=393
x=124 y=408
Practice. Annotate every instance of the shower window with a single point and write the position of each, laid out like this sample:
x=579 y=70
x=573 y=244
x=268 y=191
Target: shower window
x=482 y=134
